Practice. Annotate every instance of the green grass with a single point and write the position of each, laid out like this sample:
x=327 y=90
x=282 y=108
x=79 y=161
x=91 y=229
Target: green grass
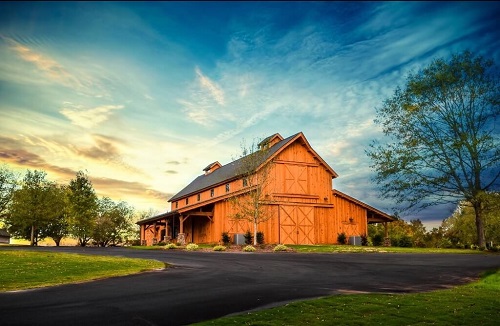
x=29 y=269
x=473 y=304
x=348 y=248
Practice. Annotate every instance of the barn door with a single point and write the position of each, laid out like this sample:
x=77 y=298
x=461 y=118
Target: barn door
x=296 y=225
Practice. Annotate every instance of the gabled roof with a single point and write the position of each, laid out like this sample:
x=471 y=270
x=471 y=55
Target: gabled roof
x=232 y=170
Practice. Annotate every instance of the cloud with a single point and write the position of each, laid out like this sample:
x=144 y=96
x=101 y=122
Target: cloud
x=88 y=118
x=104 y=150
x=171 y=172
x=51 y=68
x=209 y=85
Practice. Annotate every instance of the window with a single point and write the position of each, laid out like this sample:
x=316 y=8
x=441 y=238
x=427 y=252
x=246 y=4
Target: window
x=245 y=182
x=187 y=201
x=176 y=204
x=227 y=187
x=199 y=197
x=211 y=192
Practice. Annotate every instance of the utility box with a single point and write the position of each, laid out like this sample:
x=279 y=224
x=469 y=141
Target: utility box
x=355 y=241
x=239 y=239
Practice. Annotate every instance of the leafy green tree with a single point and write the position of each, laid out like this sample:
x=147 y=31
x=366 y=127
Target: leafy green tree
x=58 y=226
x=459 y=228
x=442 y=145
x=8 y=183
x=31 y=208
x=417 y=233
x=83 y=208
x=113 y=223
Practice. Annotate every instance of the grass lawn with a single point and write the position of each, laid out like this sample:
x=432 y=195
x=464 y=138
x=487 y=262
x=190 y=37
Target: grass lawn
x=28 y=269
x=473 y=304
x=348 y=248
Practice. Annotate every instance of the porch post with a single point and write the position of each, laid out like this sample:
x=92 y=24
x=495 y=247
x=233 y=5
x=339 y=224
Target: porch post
x=387 y=241
x=181 y=238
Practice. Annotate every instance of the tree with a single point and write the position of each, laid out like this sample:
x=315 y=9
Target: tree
x=31 y=208
x=8 y=182
x=442 y=143
x=58 y=226
x=113 y=222
x=254 y=169
x=83 y=206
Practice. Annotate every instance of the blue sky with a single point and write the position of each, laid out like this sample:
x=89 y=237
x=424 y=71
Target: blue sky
x=143 y=95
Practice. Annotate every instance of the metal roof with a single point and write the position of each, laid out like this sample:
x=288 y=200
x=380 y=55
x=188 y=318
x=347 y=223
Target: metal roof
x=225 y=173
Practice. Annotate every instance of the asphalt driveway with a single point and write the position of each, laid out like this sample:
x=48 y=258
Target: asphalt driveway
x=205 y=285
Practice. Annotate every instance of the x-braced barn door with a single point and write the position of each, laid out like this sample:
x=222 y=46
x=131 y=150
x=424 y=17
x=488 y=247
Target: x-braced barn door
x=297 y=224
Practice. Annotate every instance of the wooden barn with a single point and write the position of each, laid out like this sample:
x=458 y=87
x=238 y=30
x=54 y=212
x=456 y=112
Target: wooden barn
x=297 y=200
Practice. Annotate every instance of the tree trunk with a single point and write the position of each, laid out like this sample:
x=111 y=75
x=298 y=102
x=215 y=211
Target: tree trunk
x=32 y=241
x=255 y=233
x=478 y=210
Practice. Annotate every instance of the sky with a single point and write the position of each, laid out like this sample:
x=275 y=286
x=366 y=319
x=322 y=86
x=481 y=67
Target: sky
x=144 y=95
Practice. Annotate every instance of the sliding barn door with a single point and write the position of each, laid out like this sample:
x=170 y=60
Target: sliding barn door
x=296 y=224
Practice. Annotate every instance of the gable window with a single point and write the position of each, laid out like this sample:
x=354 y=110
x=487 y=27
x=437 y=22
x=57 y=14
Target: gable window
x=199 y=197
x=245 y=182
x=187 y=201
x=211 y=192
x=227 y=187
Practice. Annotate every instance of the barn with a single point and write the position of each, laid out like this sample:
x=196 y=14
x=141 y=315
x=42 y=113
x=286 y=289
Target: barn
x=293 y=186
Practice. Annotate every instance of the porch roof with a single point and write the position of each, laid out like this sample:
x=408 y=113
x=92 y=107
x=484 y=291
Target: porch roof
x=157 y=217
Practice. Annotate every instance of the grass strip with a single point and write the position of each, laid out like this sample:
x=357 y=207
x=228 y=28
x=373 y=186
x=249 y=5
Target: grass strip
x=354 y=249
x=29 y=269
x=473 y=304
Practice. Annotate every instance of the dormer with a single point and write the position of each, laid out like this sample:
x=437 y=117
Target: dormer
x=270 y=141
x=212 y=167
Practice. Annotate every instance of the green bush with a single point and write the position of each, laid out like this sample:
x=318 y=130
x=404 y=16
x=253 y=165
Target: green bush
x=249 y=248
x=219 y=248
x=377 y=240
x=405 y=241
x=192 y=247
x=225 y=238
x=280 y=247
x=341 y=238
x=248 y=238
x=364 y=240
x=171 y=246
x=260 y=237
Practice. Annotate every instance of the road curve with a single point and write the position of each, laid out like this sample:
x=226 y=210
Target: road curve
x=205 y=285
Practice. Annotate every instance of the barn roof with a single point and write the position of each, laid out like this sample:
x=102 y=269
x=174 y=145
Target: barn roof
x=232 y=170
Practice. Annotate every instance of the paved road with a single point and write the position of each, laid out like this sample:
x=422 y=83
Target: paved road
x=206 y=285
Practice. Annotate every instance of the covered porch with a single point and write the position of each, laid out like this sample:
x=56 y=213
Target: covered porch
x=176 y=226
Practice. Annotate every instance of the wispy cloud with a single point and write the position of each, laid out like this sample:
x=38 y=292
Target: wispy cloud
x=210 y=86
x=88 y=117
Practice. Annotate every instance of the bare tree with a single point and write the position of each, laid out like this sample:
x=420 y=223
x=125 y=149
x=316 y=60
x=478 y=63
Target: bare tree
x=255 y=170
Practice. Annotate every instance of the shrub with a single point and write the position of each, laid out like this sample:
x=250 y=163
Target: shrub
x=260 y=237
x=377 y=240
x=364 y=240
x=219 y=248
x=192 y=247
x=341 y=238
x=248 y=238
x=161 y=243
x=280 y=247
x=171 y=246
x=249 y=248
x=225 y=238
x=405 y=241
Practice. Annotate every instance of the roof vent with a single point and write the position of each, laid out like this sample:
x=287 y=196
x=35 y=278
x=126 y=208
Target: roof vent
x=212 y=167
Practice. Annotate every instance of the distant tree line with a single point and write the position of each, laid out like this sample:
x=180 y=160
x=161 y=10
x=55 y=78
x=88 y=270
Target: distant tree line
x=34 y=208
x=456 y=231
